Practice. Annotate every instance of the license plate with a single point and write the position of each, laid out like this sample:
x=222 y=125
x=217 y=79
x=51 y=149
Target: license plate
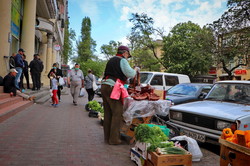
x=196 y=136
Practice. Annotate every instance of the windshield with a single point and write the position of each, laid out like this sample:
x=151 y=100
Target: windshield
x=183 y=89
x=145 y=77
x=231 y=92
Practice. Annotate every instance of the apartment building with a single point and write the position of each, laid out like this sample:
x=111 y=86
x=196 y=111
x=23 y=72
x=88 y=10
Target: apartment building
x=37 y=26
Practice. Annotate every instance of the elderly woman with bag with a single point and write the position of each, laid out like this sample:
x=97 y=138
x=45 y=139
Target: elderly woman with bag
x=90 y=85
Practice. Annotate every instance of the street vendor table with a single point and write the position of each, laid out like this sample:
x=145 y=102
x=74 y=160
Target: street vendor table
x=140 y=112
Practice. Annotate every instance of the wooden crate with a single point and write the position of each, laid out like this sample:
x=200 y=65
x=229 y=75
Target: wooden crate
x=233 y=154
x=167 y=160
x=129 y=130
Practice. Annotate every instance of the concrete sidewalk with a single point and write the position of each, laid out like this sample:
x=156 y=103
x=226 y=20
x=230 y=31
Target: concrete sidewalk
x=43 y=135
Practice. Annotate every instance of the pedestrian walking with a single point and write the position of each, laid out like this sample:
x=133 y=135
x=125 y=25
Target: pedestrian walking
x=54 y=88
x=12 y=63
x=89 y=85
x=76 y=82
x=58 y=73
x=19 y=66
x=25 y=74
x=36 y=68
x=117 y=70
x=9 y=85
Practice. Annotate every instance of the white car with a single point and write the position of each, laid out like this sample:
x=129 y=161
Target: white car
x=227 y=105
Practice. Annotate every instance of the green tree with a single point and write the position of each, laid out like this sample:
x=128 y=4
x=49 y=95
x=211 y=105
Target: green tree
x=145 y=60
x=233 y=34
x=69 y=37
x=141 y=34
x=97 y=66
x=188 y=49
x=86 y=45
x=109 y=50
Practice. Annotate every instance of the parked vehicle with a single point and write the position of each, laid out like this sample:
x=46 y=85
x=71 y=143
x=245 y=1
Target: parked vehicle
x=227 y=105
x=162 y=81
x=98 y=90
x=188 y=92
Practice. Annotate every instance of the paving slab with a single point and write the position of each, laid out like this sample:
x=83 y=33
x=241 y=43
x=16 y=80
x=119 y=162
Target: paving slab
x=43 y=135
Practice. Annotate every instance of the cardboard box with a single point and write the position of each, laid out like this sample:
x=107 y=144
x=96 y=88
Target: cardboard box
x=141 y=147
x=169 y=159
x=233 y=154
x=137 y=157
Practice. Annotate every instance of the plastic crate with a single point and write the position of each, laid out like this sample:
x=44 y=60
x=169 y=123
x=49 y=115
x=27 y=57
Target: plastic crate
x=164 y=129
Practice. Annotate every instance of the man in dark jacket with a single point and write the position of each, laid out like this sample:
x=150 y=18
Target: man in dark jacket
x=25 y=74
x=36 y=68
x=19 y=66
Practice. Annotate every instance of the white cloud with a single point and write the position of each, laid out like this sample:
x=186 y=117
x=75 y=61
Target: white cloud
x=168 y=13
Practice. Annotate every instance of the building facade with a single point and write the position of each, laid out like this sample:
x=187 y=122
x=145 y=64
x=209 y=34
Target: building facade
x=37 y=26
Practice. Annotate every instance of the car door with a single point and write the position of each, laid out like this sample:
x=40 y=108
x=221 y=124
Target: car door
x=170 y=81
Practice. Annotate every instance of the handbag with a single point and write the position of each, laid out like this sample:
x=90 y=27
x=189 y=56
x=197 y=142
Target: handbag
x=95 y=87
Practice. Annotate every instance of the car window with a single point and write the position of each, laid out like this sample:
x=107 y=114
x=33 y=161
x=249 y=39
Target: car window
x=157 y=80
x=232 y=92
x=145 y=77
x=171 y=80
x=183 y=89
x=206 y=89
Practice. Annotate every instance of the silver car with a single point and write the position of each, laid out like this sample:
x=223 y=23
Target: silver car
x=227 y=105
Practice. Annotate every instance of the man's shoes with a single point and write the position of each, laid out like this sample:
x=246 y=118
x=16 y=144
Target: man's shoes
x=33 y=89
x=31 y=98
x=75 y=104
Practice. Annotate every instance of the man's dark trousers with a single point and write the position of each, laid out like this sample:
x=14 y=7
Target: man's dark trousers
x=36 y=79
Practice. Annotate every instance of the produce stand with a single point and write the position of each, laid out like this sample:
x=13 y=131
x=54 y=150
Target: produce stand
x=140 y=112
x=233 y=154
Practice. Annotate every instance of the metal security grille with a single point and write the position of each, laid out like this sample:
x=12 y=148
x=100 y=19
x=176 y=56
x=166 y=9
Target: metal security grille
x=199 y=120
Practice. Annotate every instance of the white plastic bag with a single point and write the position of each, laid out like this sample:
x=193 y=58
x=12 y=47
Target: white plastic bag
x=61 y=81
x=95 y=87
x=193 y=147
x=50 y=93
x=82 y=92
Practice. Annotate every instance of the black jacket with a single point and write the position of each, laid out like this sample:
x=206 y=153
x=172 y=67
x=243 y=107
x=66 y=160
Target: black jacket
x=12 y=62
x=9 y=84
x=58 y=72
x=36 y=66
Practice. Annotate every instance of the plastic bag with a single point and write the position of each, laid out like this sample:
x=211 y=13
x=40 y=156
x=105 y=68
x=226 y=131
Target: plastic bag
x=61 y=81
x=193 y=147
x=50 y=93
x=118 y=91
x=82 y=92
x=94 y=86
x=144 y=108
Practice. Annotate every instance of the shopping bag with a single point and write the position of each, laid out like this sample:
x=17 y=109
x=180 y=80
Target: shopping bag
x=95 y=87
x=82 y=92
x=61 y=81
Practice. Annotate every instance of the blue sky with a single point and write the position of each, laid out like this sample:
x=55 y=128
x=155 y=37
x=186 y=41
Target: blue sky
x=110 y=18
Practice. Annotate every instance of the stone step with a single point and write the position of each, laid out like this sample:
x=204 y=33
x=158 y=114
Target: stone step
x=4 y=95
x=11 y=110
x=42 y=99
x=4 y=102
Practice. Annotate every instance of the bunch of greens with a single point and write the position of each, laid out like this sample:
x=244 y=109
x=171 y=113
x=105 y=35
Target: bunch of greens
x=144 y=133
x=153 y=146
x=94 y=105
